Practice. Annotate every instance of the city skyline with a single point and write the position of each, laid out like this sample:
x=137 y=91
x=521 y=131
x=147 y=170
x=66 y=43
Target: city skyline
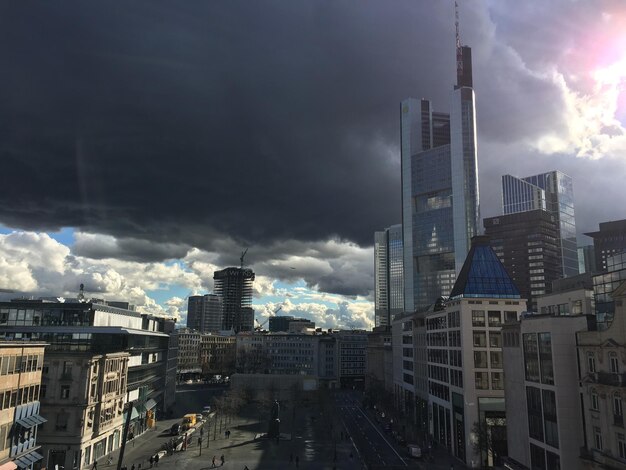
x=121 y=153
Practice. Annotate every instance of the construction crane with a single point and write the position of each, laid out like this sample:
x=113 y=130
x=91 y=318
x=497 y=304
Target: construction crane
x=261 y=325
x=243 y=254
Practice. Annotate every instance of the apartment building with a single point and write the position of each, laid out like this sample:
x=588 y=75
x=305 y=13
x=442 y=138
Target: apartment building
x=21 y=363
x=217 y=354
x=602 y=359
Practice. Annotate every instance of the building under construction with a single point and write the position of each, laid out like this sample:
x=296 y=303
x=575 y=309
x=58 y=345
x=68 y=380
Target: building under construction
x=234 y=286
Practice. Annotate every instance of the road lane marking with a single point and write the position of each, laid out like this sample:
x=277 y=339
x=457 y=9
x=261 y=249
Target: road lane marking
x=384 y=439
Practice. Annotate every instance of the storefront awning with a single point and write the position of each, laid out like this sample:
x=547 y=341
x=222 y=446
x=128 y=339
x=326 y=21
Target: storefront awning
x=27 y=460
x=31 y=421
x=150 y=404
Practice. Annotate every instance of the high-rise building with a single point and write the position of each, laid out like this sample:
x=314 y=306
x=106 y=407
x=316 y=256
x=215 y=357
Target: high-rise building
x=587 y=259
x=440 y=211
x=608 y=241
x=388 y=274
x=234 y=286
x=552 y=191
x=204 y=313
x=528 y=247
x=604 y=284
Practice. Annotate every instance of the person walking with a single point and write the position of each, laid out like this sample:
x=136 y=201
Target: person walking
x=132 y=467
x=213 y=462
x=223 y=460
x=95 y=465
x=151 y=460
x=156 y=460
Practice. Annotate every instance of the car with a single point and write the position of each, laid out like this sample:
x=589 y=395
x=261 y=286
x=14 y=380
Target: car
x=175 y=429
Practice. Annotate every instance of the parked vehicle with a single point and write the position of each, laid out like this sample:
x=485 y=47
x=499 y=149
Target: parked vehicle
x=189 y=419
x=415 y=451
x=175 y=429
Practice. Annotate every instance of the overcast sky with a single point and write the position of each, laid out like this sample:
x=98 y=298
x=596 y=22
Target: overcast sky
x=165 y=137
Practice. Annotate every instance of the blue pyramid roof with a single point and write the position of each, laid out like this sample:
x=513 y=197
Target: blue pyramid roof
x=483 y=275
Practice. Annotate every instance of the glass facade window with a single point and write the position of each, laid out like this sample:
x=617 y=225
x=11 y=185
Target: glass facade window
x=480 y=359
x=481 y=380
x=531 y=359
x=495 y=339
x=495 y=318
x=613 y=363
x=550 y=418
x=480 y=339
x=478 y=318
x=535 y=413
x=597 y=438
x=591 y=362
x=496 y=381
x=594 y=400
x=545 y=357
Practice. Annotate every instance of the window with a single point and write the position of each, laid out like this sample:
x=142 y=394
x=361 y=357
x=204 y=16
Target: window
x=549 y=418
x=613 y=363
x=480 y=339
x=480 y=359
x=617 y=404
x=545 y=358
x=594 y=399
x=478 y=318
x=591 y=362
x=496 y=359
x=61 y=424
x=597 y=438
x=531 y=359
x=495 y=318
x=537 y=458
x=482 y=380
x=621 y=445
x=535 y=413
x=495 y=339
x=43 y=390
x=496 y=381
x=65 y=392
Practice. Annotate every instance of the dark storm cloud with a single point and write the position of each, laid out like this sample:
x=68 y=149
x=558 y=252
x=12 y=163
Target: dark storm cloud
x=263 y=120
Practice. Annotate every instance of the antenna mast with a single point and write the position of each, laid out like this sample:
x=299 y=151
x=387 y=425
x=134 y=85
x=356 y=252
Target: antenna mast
x=459 y=51
x=242 y=256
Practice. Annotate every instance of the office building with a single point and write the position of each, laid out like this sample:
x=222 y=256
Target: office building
x=234 y=287
x=21 y=363
x=188 y=354
x=541 y=386
x=608 y=241
x=587 y=259
x=528 y=247
x=388 y=274
x=465 y=371
x=570 y=296
x=204 y=313
x=379 y=362
x=217 y=354
x=80 y=333
x=289 y=323
x=553 y=192
x=352 y=356
x=604 y=283
x=602 y=362
x=440 y=210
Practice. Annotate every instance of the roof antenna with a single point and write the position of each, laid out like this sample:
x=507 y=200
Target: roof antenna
x=81 y=293
x=459 y=51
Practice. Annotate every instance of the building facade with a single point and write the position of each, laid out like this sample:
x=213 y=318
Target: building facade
x=87 y=330
x=541 y=383
x=464 y=350
x=603 y=286
x=602 y=359
x=352 y=357
x=379 y=362
x=204 y=313
x=388 y=274
x=440 y=209
x=528 y=247
x=83 y=399
x=570 y=296
x=217 y=354
x=284 y=323
x=587 y=259
x=608 y=241
x=188 y=353
x=21 y=364
x=553 y=192
x=234 y=287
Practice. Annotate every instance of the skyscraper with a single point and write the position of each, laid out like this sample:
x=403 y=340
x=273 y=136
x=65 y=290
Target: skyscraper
x=234 y=286
x=204 y=313
x=388 y=274
x=440 y=210
x=608 y=241
x=527 y=244
x=552 y=191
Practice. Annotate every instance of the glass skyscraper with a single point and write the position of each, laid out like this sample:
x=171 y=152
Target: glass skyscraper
x=440 y=210
x=388 y=273
x=553 y=192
